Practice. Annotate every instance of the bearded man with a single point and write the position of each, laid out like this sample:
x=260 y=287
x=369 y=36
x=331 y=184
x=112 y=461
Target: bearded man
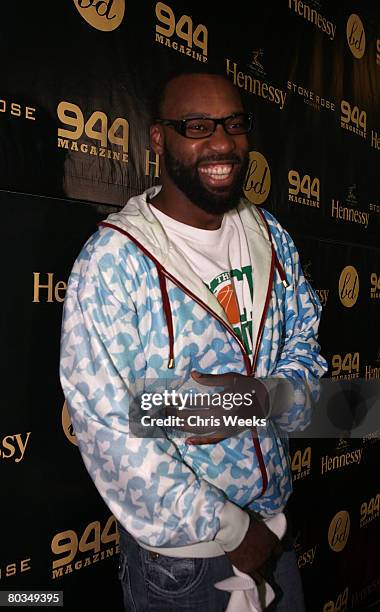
x=191 y=282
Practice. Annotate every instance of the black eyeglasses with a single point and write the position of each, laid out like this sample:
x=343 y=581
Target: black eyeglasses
x=203 y=127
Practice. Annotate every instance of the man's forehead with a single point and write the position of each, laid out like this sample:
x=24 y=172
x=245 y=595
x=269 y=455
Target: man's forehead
x=190 y=93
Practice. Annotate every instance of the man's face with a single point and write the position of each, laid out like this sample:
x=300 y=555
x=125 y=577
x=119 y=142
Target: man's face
x=209 y=171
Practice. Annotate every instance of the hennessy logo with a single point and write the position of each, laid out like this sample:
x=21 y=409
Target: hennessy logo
x=339 y=531
x=342 y=445
x=255 y=65
x=352 y=199
x=355 y=36
x=258 y=180
x=105 y=15
x=307 y=272
x=348 y=286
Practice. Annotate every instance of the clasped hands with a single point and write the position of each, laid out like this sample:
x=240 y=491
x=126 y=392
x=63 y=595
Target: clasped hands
x=260 y=545
x=232 y=385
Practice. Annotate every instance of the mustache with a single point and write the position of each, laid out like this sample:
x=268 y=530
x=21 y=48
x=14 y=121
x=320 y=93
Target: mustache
x=232 y=158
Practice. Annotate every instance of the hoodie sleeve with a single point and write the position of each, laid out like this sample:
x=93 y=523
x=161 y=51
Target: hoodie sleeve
x=300 y=364
x=145 y=482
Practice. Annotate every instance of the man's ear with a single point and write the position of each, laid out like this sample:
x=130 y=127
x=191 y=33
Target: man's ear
x=157 y=138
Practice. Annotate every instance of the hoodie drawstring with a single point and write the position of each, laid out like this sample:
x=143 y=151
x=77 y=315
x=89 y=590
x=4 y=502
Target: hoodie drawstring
x=280 y=269
x=168 y=315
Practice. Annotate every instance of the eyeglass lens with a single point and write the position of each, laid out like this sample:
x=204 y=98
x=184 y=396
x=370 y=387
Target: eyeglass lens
x=202 y=127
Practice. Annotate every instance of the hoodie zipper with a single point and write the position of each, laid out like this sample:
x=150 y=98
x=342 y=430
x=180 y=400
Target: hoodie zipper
x=274 y=264
x=250 y=368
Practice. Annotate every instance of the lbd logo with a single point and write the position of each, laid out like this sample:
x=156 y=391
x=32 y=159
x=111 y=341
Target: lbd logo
x=257 y=180
x=348 y=286
x=339 y=530
x=355 y=36
x=105 y=15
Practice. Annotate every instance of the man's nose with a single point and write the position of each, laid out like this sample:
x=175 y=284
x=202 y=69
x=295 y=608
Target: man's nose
x=221 y=140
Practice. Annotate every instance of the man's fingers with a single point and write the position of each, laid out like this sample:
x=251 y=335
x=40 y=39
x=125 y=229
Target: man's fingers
x=216 y=380
x=211 y=439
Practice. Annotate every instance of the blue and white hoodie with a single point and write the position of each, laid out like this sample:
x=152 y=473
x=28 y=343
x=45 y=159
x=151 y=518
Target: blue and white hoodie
x=135 y=310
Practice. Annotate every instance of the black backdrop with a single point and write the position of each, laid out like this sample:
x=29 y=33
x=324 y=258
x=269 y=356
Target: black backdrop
x=76 y=80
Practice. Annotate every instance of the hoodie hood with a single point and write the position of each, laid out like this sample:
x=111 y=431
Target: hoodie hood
x=137 y=221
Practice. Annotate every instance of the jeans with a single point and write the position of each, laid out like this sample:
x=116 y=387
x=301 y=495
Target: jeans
x=157 y=583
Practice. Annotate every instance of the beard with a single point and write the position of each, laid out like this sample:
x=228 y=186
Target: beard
x=187 y=179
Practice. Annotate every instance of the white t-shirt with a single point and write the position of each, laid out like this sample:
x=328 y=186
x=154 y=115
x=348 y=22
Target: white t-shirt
x=221 y=259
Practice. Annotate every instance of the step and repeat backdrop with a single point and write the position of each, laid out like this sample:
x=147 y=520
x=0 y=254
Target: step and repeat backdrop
x=76 y=82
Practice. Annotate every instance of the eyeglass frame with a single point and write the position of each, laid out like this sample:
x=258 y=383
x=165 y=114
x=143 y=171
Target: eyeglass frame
x=179 y=125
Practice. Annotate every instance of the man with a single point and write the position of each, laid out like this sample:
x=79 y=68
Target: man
x=191 y=281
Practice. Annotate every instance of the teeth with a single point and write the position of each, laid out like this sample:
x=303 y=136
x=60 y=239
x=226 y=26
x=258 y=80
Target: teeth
x=219 y=172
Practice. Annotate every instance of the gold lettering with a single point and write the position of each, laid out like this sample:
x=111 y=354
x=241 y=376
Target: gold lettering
x=257 y=87
x=371 y=372
x=21 y=445
x=228 y=70
x=241 y=81
x=264 y=89
x=10 y=570
x=155 y=162
x=15 y=109
x=375 y=140
x=8 y=446
x=25 y=565
x=247 y=82
x=29 y=110
x=51 y=288
x=60 y=286
x=38 y=286
x=63 y=143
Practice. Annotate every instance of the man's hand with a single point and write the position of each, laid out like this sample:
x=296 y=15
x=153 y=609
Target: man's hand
x=260 y=544
x=231 y=382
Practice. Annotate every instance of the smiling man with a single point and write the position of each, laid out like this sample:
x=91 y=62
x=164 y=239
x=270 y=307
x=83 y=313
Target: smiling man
x=190 y=282
x=194 y=168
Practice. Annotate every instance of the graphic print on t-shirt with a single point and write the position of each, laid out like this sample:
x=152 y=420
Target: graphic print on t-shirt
x=222 y=260
x=226 y=286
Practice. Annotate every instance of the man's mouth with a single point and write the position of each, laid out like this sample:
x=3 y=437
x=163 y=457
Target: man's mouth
x=216 y=172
